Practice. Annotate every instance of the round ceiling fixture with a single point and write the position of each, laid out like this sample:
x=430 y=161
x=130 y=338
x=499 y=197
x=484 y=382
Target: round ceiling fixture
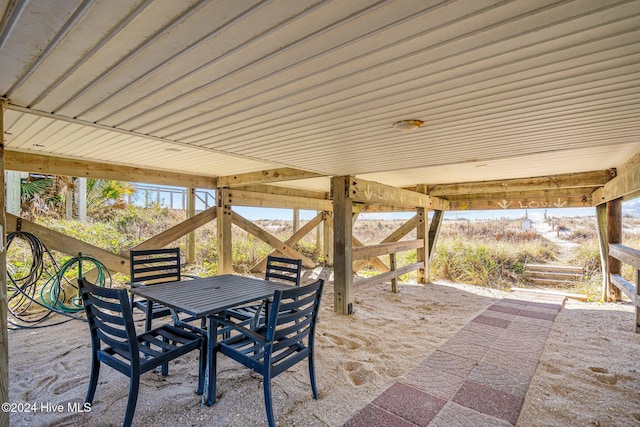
x=407 y=125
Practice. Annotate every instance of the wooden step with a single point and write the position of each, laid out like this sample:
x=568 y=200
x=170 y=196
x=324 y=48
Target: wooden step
x=549 y=282
x=557 y=275
x=549 y=267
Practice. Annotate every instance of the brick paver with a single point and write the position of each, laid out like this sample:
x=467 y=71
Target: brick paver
x=479 y=377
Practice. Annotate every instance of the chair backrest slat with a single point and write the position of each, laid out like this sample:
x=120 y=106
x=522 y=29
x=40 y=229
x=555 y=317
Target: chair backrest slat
x=155 y=265
x=115 y=328
x=294 y=312
x=283 y=270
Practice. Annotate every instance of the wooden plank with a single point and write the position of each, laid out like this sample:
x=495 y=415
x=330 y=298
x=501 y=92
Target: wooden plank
x=295 y=238
x=361 y=282
x=265 y=200
x=366 y=252
x=177 y=231
x=342 y=249
x=624 y=285
x=4 y=332
x=68 y=245
x=37 y=163
x=377 y=263
x=515 y=196
x=272 y=240
x=572 y=180
x=625 y=254
x=263 y=176
x=625 y=183
x=398 y=234
x=364 y=191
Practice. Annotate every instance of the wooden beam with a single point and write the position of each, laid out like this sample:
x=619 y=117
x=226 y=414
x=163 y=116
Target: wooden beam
x=272 y=240
x=177 y=231
x=625 y=183
x=264 y=176
x=366 y=252
x=36 y=163
x=582 y=193
x=4 y=331
x=572 y=180
x=68 y=245
x=434 y=233
x=295 y=238
x=343 y=236
x=577 y=201
x=285 y=191
x=265 y=200
x=370 y=192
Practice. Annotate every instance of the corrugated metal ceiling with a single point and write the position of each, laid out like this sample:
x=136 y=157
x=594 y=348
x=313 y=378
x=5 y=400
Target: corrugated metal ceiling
x=506 y=89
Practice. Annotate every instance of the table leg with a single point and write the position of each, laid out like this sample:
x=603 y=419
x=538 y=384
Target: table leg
x=211 y=360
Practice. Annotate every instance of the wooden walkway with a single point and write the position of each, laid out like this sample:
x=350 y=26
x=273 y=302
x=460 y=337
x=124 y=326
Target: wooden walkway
x=479 y=377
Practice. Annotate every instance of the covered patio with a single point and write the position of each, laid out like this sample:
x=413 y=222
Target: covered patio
x=333 y=106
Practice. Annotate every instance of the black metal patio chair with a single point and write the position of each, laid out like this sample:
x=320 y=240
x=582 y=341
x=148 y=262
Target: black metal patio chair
x=153 y=266
x=286 y=339
x=279 y=269
x=115 y=343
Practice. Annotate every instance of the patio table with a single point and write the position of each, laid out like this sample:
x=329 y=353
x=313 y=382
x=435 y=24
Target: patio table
x=208 y=296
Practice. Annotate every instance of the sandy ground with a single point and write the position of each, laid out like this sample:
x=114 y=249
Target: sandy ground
x=589 y=373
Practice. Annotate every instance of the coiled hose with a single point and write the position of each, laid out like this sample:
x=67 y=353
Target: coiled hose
x=57 y=293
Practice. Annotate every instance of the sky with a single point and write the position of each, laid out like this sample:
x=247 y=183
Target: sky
x=174 y=195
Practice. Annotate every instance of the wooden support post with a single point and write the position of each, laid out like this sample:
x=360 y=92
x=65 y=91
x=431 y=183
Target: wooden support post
x=81 y=197
x=327 y=246
x=223 y=232
x=319 y=234
x=68 y=204
x=296 y=220
x=422 y=233
x=614 y=235
x=637 y=301
x=13 y=192
x=394 y=279
x=601 y=216
x=342 y=234
x=191 y=237
x=4 y=332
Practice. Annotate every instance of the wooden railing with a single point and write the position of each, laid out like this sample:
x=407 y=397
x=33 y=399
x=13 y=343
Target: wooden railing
x=631 y=257
x=368 y=252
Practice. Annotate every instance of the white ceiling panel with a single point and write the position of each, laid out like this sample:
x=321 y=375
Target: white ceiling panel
x=506 y=89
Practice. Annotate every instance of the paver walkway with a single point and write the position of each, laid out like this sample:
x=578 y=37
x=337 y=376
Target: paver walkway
x=479 y=377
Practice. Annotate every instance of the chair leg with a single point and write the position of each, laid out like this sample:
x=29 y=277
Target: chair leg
x=134 y=386
x=93 y=380
x=267 y=400
x=312 y=375
x=202 y=365
x=149 y=316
